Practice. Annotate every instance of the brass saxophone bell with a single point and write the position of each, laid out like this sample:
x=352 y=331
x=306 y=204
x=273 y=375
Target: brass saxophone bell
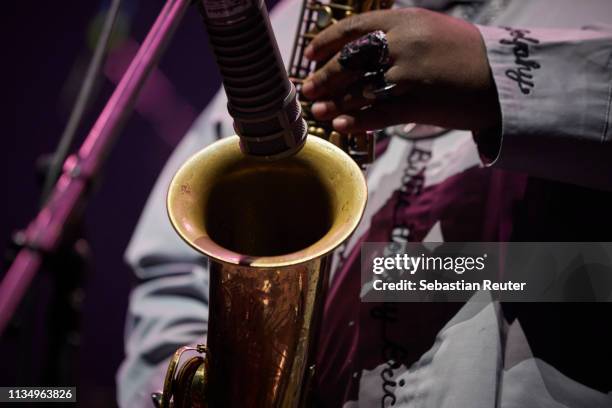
x=268 y=229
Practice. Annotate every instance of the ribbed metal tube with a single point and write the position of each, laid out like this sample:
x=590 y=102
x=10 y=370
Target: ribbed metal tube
x=261 y=99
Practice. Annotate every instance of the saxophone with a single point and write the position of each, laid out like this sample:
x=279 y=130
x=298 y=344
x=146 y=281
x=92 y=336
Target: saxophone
x=270 y=260
x=315 y=17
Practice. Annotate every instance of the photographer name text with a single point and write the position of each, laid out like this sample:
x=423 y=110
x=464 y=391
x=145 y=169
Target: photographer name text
x=408 y=265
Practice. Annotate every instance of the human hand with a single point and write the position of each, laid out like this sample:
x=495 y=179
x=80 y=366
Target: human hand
x=438 y=63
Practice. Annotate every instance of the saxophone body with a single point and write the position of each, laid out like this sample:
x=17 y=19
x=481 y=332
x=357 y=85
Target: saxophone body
x=268 y=228
x=269 y=263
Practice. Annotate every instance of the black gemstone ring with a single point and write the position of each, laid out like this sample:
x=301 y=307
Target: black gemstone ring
x=370 y=56
x=369 y=53
x=375 y=87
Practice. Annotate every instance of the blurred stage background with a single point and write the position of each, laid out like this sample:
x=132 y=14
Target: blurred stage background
x=51 y=44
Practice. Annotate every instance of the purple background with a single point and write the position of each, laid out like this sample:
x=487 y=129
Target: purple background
x=48 y=52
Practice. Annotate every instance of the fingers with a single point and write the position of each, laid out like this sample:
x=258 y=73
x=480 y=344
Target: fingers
x=329 y=80
x=357 y=98
x=327 y=110
x=333 y=38
x=396 y=75
x=378 y=116
x=332 y=80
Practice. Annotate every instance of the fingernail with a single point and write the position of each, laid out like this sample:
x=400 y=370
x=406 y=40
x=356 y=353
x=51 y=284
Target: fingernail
x=318 y=108
x=307 y=88
x=309 y=52
x=341 y=123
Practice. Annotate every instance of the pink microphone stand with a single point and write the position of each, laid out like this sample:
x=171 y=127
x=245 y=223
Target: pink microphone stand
x=68 y=198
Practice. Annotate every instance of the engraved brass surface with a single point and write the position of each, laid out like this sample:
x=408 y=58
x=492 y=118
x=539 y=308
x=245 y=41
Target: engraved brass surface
x=268 y=229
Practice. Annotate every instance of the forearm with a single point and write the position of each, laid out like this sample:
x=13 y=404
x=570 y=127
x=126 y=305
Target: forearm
x=554 y=89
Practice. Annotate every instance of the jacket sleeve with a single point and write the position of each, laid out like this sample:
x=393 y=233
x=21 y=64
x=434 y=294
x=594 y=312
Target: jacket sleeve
x=555 y=93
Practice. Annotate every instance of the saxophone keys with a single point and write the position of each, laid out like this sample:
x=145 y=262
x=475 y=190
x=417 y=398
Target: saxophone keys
x=316 y=131
x=325 y=17
x=339 y=140
x=361 y=147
